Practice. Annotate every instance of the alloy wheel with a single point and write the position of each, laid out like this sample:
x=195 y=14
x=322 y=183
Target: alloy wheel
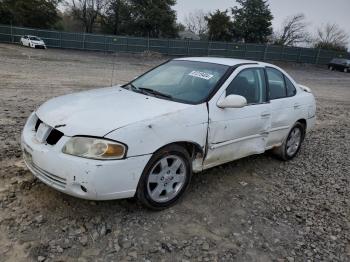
x=166 y=178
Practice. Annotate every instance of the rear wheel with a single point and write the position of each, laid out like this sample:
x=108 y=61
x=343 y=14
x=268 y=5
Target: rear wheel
x=291 y=145
x=165 y=178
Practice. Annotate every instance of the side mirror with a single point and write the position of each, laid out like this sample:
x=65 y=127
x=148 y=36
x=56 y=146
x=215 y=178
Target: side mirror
x=232 y=101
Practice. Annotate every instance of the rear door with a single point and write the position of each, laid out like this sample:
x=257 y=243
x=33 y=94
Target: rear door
x=238 y=132
x=284 y=107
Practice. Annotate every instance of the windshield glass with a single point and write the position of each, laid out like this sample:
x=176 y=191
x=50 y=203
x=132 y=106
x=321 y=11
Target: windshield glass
x=184 y=81
x=35 y=38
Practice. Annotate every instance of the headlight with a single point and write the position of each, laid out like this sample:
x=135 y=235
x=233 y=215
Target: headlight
x=94 y=148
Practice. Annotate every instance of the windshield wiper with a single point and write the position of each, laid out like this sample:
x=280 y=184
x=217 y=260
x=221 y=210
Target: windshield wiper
x=154 y=92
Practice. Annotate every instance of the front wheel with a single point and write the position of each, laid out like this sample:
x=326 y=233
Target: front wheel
x=165 y=178
x=292 y=143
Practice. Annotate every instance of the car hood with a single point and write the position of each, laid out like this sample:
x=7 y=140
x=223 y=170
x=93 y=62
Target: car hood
x=100 y=111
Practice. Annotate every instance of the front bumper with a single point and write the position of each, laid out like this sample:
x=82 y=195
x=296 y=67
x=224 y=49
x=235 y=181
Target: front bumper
x=38 y=46
x=80 y=177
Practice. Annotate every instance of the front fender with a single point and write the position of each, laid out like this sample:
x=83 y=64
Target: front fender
x=146 y=137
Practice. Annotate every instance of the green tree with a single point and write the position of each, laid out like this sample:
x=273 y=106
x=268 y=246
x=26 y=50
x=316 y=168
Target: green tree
x=34 y=13
x=117 y=18
x=153 y=18
x=252 y=20
x=180 y=27
x=220 y=26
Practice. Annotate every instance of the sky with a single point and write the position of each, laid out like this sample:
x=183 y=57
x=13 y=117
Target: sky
x=317 y=12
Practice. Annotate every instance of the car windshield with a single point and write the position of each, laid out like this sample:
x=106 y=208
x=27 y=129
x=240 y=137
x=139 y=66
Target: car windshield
x=34 y=38
x=179 y=80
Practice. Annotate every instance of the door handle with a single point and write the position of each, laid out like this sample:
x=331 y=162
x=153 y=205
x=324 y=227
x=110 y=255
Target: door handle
x=263 y=115
x=296 y=106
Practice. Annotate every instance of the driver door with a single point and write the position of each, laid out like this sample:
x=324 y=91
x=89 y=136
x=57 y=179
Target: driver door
x=238 y=132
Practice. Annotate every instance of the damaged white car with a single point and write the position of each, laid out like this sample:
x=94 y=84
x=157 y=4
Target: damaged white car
x=147 y=137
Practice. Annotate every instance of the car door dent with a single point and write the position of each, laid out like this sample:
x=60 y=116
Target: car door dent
x=243 y=148
x=227 y=140
x=279 y=128
x=224 y=143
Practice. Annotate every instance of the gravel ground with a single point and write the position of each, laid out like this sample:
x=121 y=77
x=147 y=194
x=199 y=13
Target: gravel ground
x=254 y=209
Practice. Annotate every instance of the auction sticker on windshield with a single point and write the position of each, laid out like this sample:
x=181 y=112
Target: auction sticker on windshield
x=201 y=75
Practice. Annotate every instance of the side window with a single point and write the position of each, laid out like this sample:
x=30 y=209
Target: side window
x=277 y=88
x=251 y=84
x=291 y=91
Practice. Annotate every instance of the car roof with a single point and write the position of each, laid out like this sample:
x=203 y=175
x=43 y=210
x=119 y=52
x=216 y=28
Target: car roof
x=219 y=60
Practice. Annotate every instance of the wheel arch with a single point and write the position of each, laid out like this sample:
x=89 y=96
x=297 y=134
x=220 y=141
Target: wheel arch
x=191 y=147
x=304 y=123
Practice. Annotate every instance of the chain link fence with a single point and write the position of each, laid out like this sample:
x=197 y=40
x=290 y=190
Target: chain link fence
x=171 y=47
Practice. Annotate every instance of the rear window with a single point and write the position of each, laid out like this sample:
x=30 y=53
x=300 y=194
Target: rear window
x=277 y=88
x=291 y=91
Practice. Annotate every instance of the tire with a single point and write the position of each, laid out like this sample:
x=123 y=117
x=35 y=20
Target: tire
x=290 y=148
x=161 y=184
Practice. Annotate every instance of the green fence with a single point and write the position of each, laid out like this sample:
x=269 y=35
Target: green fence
x=176 y=47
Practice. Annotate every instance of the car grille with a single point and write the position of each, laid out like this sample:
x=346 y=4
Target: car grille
x=54 y=135
x=47 y=177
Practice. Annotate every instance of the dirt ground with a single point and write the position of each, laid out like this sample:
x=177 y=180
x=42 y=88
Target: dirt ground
x=254 y=209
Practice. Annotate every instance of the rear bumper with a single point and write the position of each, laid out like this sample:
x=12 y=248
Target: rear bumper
x=80 y=177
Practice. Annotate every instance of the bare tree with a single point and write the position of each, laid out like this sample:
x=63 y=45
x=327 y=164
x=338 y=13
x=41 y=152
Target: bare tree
x=331 y=36
x=195 y=22
x=293 y=32
x=87 y=11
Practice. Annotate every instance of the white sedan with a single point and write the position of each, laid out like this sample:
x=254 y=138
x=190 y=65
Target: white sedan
x=147 y=137
x=32 y=41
